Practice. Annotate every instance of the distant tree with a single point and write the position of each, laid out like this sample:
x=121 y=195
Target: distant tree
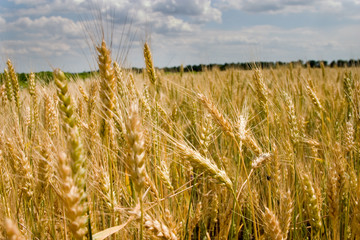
x=333 y=64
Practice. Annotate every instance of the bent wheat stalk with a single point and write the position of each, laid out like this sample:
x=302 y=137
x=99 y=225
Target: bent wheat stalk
x=204 y=164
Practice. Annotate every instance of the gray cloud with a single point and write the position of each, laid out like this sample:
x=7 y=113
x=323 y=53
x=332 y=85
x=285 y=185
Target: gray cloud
x=28 y=2
x=201 y=10
x=283 y=6
x=2 y=24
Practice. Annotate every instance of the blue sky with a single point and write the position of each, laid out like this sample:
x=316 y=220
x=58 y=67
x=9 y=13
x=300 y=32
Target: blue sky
x=40 y=34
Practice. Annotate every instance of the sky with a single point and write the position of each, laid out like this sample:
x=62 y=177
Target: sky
x=39 y=35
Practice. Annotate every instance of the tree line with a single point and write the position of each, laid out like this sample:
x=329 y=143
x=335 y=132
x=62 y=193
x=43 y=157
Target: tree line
x=251 y=65
x=47 y=76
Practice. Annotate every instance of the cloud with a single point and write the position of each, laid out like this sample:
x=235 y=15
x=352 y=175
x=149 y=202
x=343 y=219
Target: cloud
x=200 y=10
x=41 y=38
x=165 y=15
x=172 y=24
x=28 y=2
x=47 y=26
x=261 y=42
x=2 y=24
x=48 y=7
x=282 y=6
x=182 y=31
x=36 y=48
x=159 y=23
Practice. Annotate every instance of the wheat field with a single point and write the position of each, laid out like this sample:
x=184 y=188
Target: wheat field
x=235 y=154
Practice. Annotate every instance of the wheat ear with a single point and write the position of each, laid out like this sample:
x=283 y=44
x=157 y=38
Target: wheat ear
x=311 y=92
x=45 y=170
x=72 y=198
x=261 y=160
x=333 y=195
x=261 y=89
x=33 y=94
x=8 y=84
x=108 y=81
x=136 y=142
x=158 y=229
x=78 y=163
x=12 y=231
x=292 y=119
x=14 y=82
x=287 y=208
x=50 y=116
x=246 y=136
x=204 y=164
x=21 y=166
x=3 y=96
x=164 y=174
x=219 y=118
x=349 y=137
x=64 y=96
x=348 y=83
x=272 y=226
x=136 y=160
x=149 y=65
x=313 y=205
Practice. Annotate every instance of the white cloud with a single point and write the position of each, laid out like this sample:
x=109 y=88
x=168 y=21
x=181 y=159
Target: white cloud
x=160 y=23
x=171 y=23
x=41 y=38
x=37 y=48
x=55 y=25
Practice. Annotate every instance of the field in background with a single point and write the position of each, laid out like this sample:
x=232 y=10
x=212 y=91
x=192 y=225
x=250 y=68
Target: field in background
x=233 y=154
